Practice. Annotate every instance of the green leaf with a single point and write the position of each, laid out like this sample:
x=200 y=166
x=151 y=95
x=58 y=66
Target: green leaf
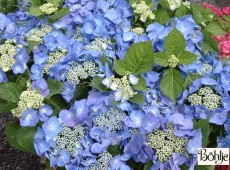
x=121 y=67
x=114 y=149
x=162 y=17
x=81 y=92
x=138 y=99
x=172 y=84
x=139 y=57
x=55 y=87
x=190 y=79
x=58 y=15
x=6 y=106
x=204 y=167
x=214 y=29
x=196 y=14
x=141 y=85
x=205 y=129
x=208 y=39
x=31 y=45
x=10 y=131
x=206 y=47
x=57 y=103
x=97 y=84
x=10 y=92
x=161 y=58
x=181 y=11
x=165 y=5
x=22 y=80
x=36 y=3
x=186 y=57
x=175 y=42
x=25 y=138
x=148 y=165
x=35 y=11
x=7 y=6
x=55 y=2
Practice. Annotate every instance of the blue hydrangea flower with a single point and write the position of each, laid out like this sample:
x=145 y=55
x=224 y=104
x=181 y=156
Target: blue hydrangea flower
x=29 y=118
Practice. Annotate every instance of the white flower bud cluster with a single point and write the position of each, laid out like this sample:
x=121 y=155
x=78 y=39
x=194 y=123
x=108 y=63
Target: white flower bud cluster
x=69 y=138
x=205 y=97
x=173 y=61
x=206 y=68
x=29 y=99
x=174 y=4
x=37 y=34
x=77 y=35
x=48 y=8
x=103 y=162
x=143 y=10
x=81 y=71
x=98 y=44
x=53 y=59
x=138 y=30
x=7 y=52
x=111 y=120
x=124 y=84
x=165 y=143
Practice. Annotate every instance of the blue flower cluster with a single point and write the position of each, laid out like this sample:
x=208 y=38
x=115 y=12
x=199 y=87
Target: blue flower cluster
x=105 y=130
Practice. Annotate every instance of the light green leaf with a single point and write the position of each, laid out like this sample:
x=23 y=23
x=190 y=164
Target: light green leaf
x=161 y=58
x=55 y=87
x=186 y=57
x=55 y=2
x=35 y=11
x=205 y=130
x=10 y=92
x=139 y=57
x=165 y=5
x=206 y=47
x=6 y=106
x=172 y=84
x=162 y=17
x=175 y=42
x=197 y=16
x=204 y=167
x=214 y=29
x=97 y=84
x=121 y=67
x=36 y=3
x=141 y=85
x=208 y=39
x=31 y=45
x=25 y=138
x=190 y=79
x=58 y=15
x=138 y=99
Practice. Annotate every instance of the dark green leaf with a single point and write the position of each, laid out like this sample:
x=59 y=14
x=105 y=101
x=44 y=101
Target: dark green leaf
x=206 y=47
x=139 y=58
x=161 y=58
x=6 y=106
x=55 y=87
x=97 y=84
x=162 y=17
x=7 y=6
x=205 y=129
x=181 y=11
x=172 y=84
x=214 y=29
x=81 y=92
x=190 y=79
x=25 y=138
x=148 y=165
x=141 y=85
x=186 y=57
x=58 y=15
x=204 y=167
x=208 y=39
x=165 y=5
x=114 y=149
x=10 y=131
x=138 y=99
x=175 y=42
x=10 y=92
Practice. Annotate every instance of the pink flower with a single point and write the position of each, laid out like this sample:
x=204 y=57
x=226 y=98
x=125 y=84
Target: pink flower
x=226 y=10
x=224 y=47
